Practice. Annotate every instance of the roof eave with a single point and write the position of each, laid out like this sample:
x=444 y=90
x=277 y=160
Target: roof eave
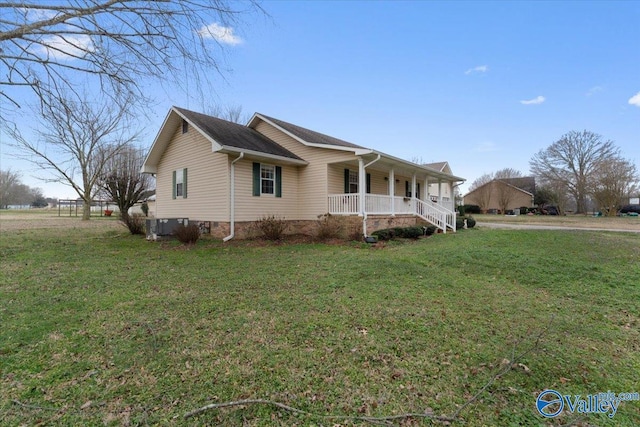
x=431 y=171
x=225 y=149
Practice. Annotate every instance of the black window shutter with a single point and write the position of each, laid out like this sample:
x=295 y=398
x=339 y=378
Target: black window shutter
x=184 y=183
x=173 y=191
x=278 y=181
x=407 y=192
x=346 y=181
x=368 y=183
x=256 y=179
x=418 y=190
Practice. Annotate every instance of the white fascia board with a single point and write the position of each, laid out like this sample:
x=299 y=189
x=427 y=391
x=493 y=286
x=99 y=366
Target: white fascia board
x=148 y=169
x=158 y=144
x=430 y=171
x=281 y=159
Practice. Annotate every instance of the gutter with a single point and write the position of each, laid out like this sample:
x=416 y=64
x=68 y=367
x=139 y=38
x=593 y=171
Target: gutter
x=232 y=197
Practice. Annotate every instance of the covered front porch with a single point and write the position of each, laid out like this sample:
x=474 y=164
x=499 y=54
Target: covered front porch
x=392 y=187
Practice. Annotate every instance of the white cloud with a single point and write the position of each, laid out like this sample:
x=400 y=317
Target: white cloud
x=534 y=101
x=478 y=69
x=594 y=90
x=635 y=100
x=67 y=47
x=219 y=33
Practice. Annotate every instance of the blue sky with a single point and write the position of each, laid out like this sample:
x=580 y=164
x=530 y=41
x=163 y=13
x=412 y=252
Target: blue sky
x=482 y=85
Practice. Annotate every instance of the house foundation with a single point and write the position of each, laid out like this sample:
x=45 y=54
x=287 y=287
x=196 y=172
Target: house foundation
x=350 y=226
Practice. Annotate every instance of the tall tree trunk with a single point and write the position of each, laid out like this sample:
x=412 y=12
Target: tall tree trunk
x=86 y=209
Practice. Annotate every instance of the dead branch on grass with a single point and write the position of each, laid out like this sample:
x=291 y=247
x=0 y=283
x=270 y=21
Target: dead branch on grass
x=504 y=367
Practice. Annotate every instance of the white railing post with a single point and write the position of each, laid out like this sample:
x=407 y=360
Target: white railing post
x=392 y=190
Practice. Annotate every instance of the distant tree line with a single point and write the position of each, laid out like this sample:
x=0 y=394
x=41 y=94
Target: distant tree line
x=14 y=192
x=583 y=166
x=578 y=170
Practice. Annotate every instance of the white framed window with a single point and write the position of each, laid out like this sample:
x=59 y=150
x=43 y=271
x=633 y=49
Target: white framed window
x=353 y=181
x=267 y=179
x=180 y=183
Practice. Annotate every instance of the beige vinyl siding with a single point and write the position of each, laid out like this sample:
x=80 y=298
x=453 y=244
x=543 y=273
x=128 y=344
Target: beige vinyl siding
x=378 y=183
x=336 y=179
x=445 y=189
x=312 y=178
x=207 y=179
x=517 y=198
x=251 y=208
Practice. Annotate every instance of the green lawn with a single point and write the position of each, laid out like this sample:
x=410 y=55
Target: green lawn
x=101 y=328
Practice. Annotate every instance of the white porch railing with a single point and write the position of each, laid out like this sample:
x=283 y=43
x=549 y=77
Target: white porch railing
x=378 y=204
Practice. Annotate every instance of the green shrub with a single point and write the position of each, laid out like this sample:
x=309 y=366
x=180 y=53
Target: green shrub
x=398 y=232
x=471 y=222
x=144 y=207
x=459 y=223
x=272 y=227
x=430 y=229
x=524 y=210
x=461 y=209
x=385 y=234
x=413 y=232
x=330 y=226
x=187 y=234
x=471 y=209
x=401 y=232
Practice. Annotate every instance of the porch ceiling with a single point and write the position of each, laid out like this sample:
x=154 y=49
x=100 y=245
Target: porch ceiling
x=400 y=167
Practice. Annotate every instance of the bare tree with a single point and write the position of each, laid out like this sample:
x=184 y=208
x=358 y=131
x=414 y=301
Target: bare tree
x=123 y=183
x=507 y=173
x=231 y=113
x=481 y=188
x=481 y=180
x=75 y=141
x=571 y=162
x=9 y=187
x=14 y=192
x=120 y=43
x=505 y=194
x=613 y=180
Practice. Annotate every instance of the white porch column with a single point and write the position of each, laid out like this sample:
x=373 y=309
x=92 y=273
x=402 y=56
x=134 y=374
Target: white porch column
x=439 y=192
x=426 y=189
x=362 y=185
x=392 y=190
x=413 y=192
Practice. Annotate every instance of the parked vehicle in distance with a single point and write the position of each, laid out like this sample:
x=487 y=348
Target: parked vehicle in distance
x=630 y=209
x=550 y=210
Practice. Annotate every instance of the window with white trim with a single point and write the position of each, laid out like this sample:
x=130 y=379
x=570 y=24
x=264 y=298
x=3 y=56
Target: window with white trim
x=353 y=181
x=267 y=179
x=179 y=183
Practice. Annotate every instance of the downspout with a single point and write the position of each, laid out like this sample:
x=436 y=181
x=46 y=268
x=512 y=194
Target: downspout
x=232 y=197
x=364 y=209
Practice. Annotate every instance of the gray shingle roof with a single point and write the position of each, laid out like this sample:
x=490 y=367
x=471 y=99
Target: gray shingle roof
x=437 y=165
x=527 y=183
x=235 y=135
x=310 y=135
